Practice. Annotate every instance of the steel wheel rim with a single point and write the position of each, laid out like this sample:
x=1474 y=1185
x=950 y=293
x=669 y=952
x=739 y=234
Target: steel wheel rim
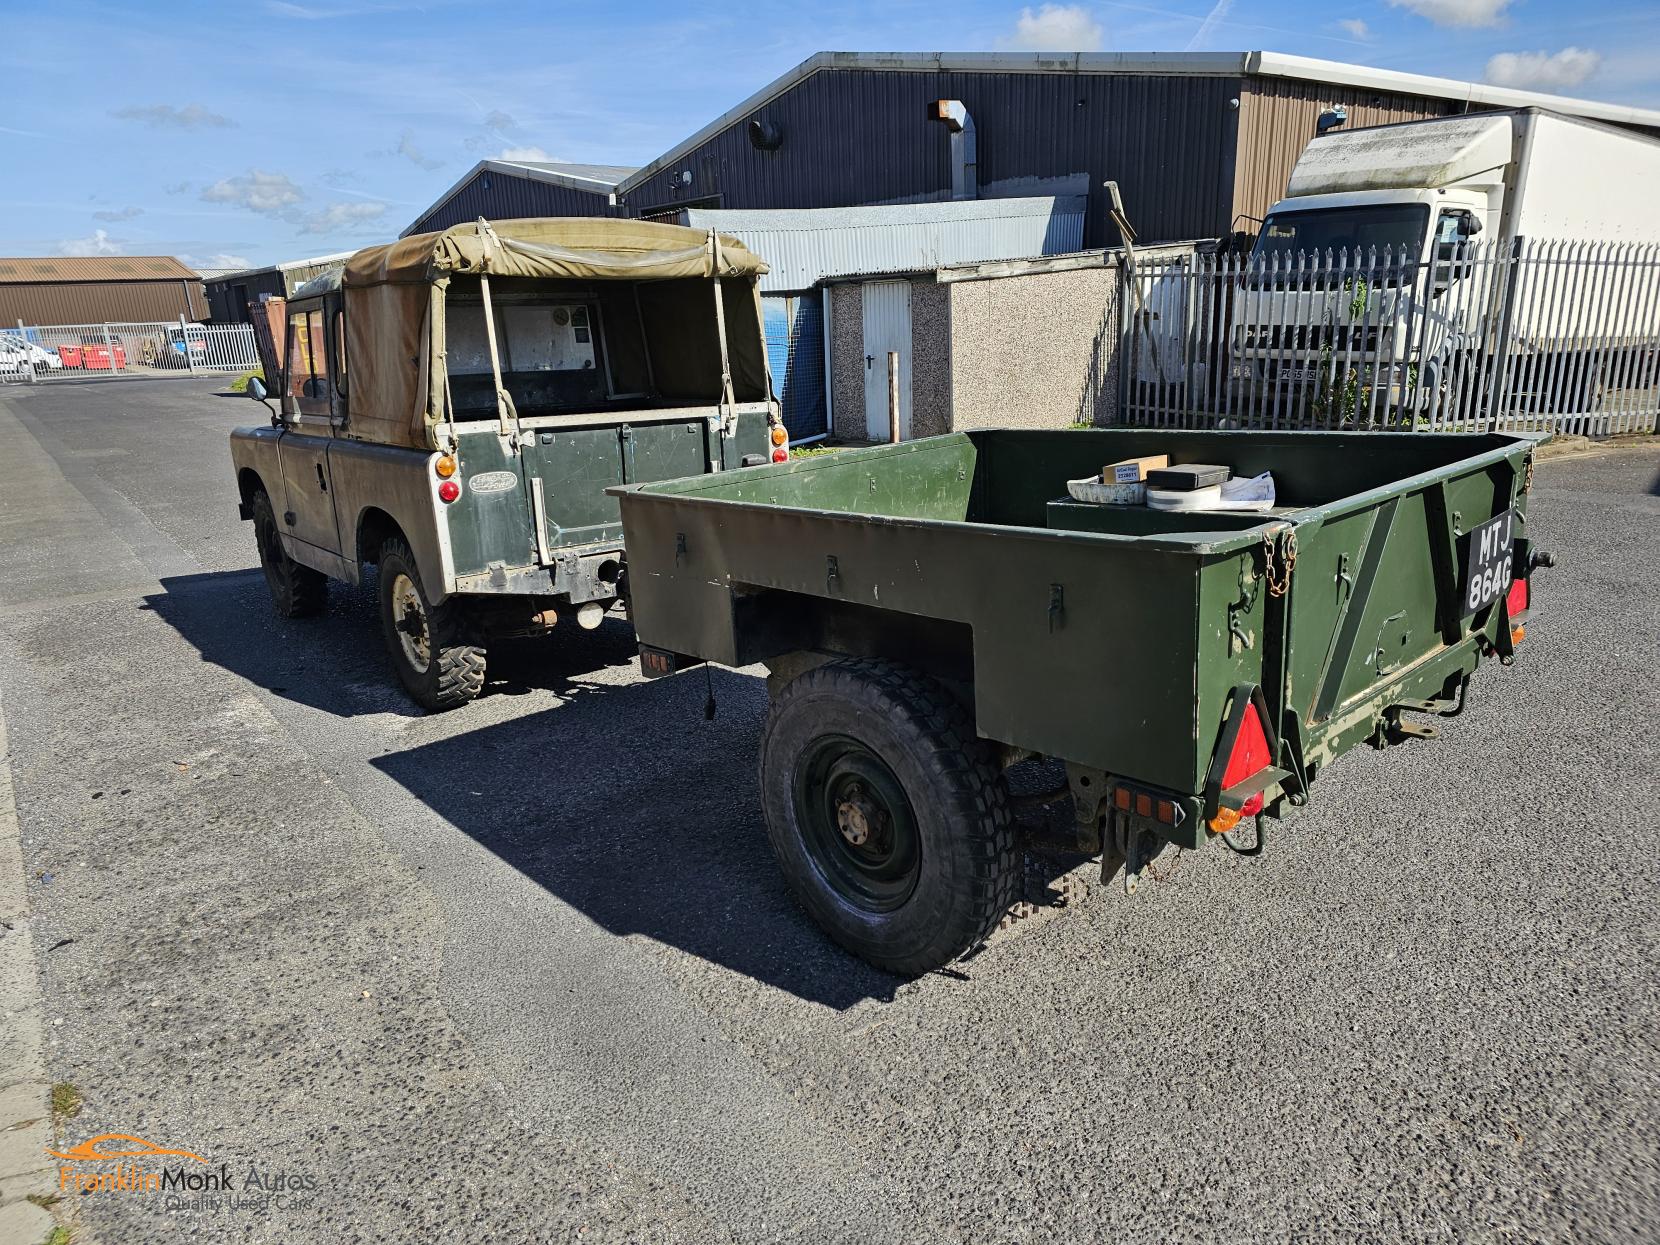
x=409 y=621
x=843 y=790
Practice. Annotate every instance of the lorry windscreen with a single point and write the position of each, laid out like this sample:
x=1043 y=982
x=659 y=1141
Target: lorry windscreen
x=1395 y=231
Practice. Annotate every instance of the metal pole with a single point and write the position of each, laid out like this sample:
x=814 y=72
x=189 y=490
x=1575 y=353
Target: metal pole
x=184 y=336
x=893 y=397
x=109 y=345
x=23 y=337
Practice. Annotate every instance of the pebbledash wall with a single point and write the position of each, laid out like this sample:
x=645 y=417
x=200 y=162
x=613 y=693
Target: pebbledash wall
x=1007 y=344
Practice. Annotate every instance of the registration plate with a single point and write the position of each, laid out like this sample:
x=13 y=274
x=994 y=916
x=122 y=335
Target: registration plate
x=1488 y=561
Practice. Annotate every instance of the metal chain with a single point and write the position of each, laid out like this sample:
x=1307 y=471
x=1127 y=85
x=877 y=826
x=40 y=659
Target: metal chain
x=1527 y=479
x=1285 y=555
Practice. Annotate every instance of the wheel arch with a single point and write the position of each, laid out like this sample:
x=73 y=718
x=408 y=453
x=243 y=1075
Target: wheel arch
x=375 y=526
x=249 y=482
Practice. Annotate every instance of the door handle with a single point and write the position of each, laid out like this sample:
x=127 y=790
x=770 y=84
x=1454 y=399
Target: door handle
x=321 y=482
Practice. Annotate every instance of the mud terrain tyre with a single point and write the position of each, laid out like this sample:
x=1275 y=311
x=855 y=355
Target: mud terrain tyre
x=889 y=818
x=432 y=648
x=296 y=591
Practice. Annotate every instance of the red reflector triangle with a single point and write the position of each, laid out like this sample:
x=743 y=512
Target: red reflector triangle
x=1250 y=753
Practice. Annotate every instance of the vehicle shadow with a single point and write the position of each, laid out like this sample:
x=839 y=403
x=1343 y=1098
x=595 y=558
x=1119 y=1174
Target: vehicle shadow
x=337 y=663
x=624 y=800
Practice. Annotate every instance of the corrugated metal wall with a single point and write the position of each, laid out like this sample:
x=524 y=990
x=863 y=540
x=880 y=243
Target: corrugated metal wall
x=98 y=302
x=863 y=136
x=1277 y=118
x=228 y=297
x=501 y=196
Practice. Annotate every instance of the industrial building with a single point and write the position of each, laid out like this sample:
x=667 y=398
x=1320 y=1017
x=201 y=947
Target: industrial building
x=1199 y=143
x=230 y=294
x=128 y=289
x=506 y=189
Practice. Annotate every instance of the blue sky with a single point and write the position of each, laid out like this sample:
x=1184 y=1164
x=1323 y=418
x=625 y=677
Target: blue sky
x=268 y=130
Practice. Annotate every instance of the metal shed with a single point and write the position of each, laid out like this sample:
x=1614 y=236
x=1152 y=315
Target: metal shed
x=230 y=294
x=507 y=189
x=1197 y=141
x=92 y=290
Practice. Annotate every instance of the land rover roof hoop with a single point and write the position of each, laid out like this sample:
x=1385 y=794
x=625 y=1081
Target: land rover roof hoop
x=729 y=414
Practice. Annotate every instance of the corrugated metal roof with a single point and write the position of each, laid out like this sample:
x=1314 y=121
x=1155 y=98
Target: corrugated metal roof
x=287 y=265
x=594 y=179
x=1158 y=64
x=95 y=268
x=804 y=246
x=604 y=174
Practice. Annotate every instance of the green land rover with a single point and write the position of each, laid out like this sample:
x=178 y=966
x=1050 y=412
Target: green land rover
x=453 y=406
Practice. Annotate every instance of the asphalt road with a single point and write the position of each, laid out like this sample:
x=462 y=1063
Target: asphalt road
x=526 y=972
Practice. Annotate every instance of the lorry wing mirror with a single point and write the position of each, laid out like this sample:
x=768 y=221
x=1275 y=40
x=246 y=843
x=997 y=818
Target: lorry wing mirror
x=1472 y=225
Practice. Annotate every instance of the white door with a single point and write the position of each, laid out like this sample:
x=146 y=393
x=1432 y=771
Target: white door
x=887 y=317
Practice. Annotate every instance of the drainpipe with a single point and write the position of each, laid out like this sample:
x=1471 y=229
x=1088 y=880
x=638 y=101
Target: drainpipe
x=964 y=164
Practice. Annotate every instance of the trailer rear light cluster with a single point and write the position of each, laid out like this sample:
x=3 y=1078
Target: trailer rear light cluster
x=779 y=438
x=1147 y=804
x=1250 y=755
x=449 y=490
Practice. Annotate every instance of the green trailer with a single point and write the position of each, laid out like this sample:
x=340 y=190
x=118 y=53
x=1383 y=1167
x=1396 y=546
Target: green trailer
x=933 y=612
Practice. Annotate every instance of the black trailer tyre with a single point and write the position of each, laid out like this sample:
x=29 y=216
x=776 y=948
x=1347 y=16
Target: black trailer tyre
x=296 y=591
x=431 y=646
x=889 y=820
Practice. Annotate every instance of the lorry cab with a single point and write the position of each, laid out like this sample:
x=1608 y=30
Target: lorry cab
x=455 y=405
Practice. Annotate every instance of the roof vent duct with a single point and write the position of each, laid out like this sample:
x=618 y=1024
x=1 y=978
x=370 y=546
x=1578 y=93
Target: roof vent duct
x=764 y=135
x=965 y=173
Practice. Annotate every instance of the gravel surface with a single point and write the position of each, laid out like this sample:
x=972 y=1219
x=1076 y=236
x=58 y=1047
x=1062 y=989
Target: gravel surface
x=526 y=972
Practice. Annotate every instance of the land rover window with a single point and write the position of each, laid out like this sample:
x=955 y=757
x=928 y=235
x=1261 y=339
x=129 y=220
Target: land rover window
x=308 y=363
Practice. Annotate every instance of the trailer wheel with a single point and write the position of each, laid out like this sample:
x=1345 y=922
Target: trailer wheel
x=431 y=646
x=296 y=591
x=888 y=818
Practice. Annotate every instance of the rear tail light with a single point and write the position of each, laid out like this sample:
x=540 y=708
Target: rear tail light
x=444 y=465
x=779 y=435
x=449 y=490
x=781 y=455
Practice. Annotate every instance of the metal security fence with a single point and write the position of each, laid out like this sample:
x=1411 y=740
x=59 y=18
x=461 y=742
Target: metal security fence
x=47 y=352
x=1523 y=336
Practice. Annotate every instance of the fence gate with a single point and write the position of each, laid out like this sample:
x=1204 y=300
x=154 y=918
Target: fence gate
x=1524 y=336
x=49 y=352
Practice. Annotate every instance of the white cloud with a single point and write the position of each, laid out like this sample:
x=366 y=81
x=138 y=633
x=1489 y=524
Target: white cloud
x=1543 y=71
x=1057 y=28
x=100 y=243
x=1355 y=28
x=126 y=213
x=220 y=259
x=342 y=216
x=532 y=155
x=409 y=151
x=190 y=117
x=1457 y=12
x=267 y=193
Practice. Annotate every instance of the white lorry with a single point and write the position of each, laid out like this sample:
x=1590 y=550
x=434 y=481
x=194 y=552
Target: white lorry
x=1421 y=248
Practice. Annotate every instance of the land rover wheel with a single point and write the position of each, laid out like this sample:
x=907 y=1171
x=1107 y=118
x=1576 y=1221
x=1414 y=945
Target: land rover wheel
x=296 y=591
x=889 y=820
x=431 y=646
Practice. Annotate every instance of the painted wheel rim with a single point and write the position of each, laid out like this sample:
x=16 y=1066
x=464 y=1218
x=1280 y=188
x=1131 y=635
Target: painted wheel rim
x=409 y=620
x=857 y=824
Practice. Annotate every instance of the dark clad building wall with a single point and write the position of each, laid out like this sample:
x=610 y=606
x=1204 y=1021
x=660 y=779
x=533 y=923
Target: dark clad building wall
x=1277 y=117
x=502 y=196
x=100 y=302
x=863 y=136
x=228 y=298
